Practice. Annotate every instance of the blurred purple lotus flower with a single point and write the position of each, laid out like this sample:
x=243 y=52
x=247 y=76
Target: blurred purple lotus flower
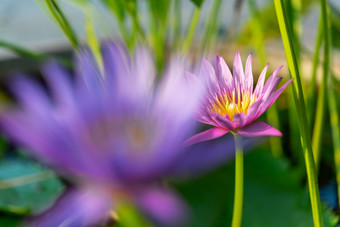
x=231 y=104
x=113 y=134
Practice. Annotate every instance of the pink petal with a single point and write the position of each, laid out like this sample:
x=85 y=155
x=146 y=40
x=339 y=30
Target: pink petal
x=76 y=207
x=249 y=74
x=223 y=72
x=224 y=122
x=192 y=78
x=143 y=72
x=209 y=134
x=162 y=206
x=206 y=119
x=259 y=128
x=253 y=110
x=273 y=98
x=37 y=102
x=59 y=84
x=271 y=88
x=260 y=81
x=239 y=120
x=271 y=80
x=210 y=76
x=238 y=71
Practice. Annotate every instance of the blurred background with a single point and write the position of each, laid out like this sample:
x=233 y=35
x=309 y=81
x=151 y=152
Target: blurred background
x=275 y=180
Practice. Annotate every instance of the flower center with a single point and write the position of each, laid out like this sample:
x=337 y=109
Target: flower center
x=232 y=102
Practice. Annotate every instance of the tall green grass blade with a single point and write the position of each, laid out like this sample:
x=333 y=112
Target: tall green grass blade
x=334 y=119
x=23 y=52
x=319 y=118
x=177 y=20
x=191 y=32
x=293 y=11
x=259 y=44
x=198 y=3
x=321 y=105
x=301 y=111
x=92 y=39
x=211 y=25
x=311 y=96
x=61 y=20
x=158 y=25
x=333 y=110
x=131 y=8
x=116 y=8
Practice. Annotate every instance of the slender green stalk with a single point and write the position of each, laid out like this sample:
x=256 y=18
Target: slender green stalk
x=191 y=32
x=319 y=118
x=312 y=85
x=92 y=38
x=301 y=112
x=177 y=18
x=321 y=104
x=238 y=194
x=334 y=118
x=333 y=110
x=23 y=52
x=61 y=20
x=158 y=29
x=272 y=113
x=211 y=25
x=116 y=9
x=293 y=12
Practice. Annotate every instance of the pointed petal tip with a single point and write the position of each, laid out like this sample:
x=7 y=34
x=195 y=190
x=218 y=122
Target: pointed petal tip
x=209 y=134
x=250 y=57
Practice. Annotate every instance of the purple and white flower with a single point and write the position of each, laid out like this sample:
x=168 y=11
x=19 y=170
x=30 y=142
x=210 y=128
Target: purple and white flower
x=113 y=132
x=231 y=104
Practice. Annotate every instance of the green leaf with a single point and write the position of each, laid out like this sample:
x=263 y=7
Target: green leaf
x=117 y=7
x=273 y=195
x=37 y=56
x=21 y=190
x=198 y=3
x=61 y=20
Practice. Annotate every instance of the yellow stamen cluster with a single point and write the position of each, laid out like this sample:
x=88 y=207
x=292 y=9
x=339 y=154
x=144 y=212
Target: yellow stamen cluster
x=232 y=102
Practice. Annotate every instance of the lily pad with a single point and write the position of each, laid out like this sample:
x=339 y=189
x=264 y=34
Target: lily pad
x=26 y=187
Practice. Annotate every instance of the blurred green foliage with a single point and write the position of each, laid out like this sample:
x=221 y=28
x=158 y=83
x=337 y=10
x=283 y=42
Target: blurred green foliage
x=273 y=195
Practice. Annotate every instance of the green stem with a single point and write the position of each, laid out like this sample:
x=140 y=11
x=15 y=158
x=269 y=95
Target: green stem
x=312 y=86
x=23 y=52
x=301 y=112
x=321 y=104
x=92 y=39
x=238 y=194
x=333 y=110
x=191 y=32
x=272 y=114
x=61 y=20
x=177 y=18
x=211 y=25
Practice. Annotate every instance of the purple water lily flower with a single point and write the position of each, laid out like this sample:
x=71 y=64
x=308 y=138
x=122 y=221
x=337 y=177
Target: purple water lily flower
x=231 y=104
x=112 y=132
